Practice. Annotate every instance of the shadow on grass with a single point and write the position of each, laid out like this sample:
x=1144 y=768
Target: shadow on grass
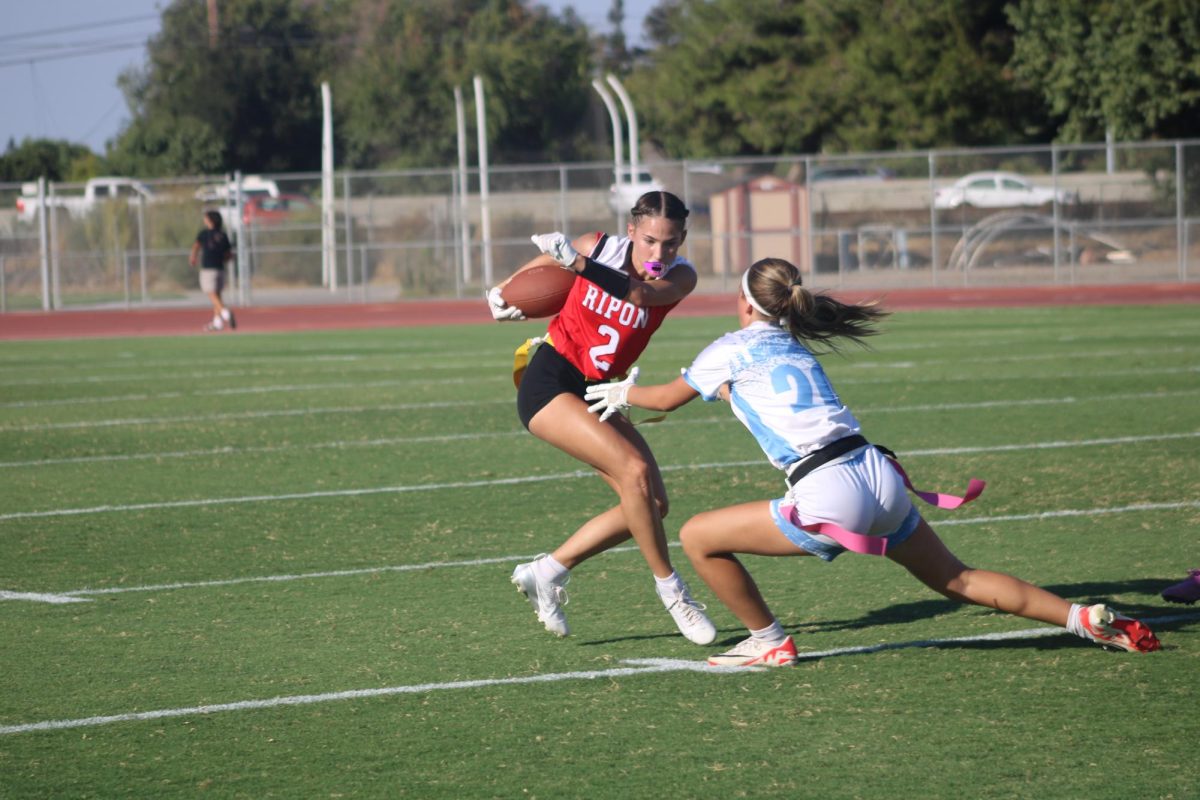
x=1086 y=593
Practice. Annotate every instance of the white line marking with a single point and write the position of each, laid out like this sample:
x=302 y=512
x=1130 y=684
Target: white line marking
x=388 y=442
x=475 y=562
x=641 y=666
x=863 y=409
x=217 y=501
x=337 y=573
x=388 y=364
x=1071 y=513
x=386 y=361
x=656 y=666
x=232 y=450
x=497 y=378
x=454 y=485
x=402 y=440
x=38 y=597
x=271 y=389
x=234 y=415
x=1066 y=356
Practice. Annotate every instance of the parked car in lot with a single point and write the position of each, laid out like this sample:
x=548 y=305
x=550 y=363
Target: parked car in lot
x=263 y=209
x=251 y=185
x=622 y=196
x=998 y=190
x=847 y=172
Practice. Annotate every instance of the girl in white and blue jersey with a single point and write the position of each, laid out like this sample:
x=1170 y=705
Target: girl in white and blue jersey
x=843 y=493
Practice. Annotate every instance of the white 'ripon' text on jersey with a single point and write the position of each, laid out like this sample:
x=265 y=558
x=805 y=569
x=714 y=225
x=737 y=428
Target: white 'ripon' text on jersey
x=601 y=335
x=777 y=389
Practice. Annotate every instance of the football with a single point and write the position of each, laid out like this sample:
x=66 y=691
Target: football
x=539 y=291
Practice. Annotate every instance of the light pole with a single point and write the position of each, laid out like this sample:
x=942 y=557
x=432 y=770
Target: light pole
x=614 y=117
x=631 y=116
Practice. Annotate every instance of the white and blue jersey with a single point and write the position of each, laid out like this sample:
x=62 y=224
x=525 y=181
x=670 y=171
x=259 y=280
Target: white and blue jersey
x=777 y=388
x=781 y=394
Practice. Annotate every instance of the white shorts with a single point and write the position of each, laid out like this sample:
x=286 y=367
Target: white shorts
x=861 y=492
x=212 y=280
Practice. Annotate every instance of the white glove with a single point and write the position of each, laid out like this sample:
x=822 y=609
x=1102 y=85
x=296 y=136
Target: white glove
x=610 y=398
x=502 y=311
x=557 y=246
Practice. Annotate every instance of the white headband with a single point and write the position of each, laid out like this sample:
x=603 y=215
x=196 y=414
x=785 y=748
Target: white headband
x=750 y=298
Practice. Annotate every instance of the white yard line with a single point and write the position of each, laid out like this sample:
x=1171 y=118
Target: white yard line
x=232 y=450
x=268 y=389
x=864 y=409
x=422 y=380
x=235 y=415
x=39 y=597
x=640 y=666
x=389 y=365
x=475 y=562
x=217 y=501
x=403 y=440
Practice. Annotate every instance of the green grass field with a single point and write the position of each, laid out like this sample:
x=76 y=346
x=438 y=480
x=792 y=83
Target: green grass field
x=278 y=566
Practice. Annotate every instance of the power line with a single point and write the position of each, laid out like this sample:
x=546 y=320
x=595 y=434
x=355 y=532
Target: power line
x=35 y=49
x=95 y=127
x=77 y=53
x=84 y=27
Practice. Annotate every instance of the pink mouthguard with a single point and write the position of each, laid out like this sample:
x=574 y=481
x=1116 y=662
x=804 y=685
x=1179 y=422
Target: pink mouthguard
x=655 y=269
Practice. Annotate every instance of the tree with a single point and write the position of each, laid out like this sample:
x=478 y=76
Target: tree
x=615 y=49
x=53 y=159
x=732 y=77
x=394 y=89
x=923 y=73
x=251 y=102
x=1129 y=67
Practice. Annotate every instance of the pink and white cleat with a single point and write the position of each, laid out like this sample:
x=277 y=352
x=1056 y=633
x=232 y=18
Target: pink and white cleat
x=756 y=653
x=1107 y=628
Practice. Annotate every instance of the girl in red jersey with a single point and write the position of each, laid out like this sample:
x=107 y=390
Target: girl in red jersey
x=624 y=290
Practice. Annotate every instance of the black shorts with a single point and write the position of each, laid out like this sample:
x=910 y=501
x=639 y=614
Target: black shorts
x=547 y=376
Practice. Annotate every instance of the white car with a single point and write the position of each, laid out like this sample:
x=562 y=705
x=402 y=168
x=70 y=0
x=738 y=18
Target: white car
x=251 y=185
x=997 y=190
x=622 y=196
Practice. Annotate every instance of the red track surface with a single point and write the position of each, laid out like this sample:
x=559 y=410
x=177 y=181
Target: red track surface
x=190 y=321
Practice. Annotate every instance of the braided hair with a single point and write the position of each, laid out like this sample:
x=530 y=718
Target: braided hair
x=659 y=204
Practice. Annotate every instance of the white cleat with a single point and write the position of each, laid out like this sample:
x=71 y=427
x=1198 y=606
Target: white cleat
x=546 y=598
x=689 y=615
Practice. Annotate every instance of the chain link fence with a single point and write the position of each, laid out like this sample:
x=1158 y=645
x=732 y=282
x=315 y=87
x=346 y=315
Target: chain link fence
x=981 y=217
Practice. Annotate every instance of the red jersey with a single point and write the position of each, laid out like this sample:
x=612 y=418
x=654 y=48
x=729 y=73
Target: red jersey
x=599 y=334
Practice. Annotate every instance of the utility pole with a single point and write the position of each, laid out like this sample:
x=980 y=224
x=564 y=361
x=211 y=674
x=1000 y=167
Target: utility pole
x=212 y=24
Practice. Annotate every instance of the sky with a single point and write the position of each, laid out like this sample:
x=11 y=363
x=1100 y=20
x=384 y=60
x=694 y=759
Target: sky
x=45 y=95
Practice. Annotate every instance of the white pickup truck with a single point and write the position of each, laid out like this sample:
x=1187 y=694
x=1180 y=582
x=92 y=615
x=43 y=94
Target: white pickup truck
x=95 y=191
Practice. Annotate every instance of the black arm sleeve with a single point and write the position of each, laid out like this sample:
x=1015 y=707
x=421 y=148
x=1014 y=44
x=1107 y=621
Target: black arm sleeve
x=615 y=282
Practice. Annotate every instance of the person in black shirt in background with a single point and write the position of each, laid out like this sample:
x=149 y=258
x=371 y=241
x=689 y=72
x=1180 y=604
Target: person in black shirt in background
x=214 y=250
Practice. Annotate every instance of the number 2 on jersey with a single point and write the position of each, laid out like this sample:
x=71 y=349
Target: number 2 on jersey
x=606 y=349
x=804 y=386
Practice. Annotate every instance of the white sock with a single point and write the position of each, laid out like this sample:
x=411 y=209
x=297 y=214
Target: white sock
x=669 y=586
x=549 y=570
x=772 y=634
x=1074 y=625
x=225 y=314
x=218 y=323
